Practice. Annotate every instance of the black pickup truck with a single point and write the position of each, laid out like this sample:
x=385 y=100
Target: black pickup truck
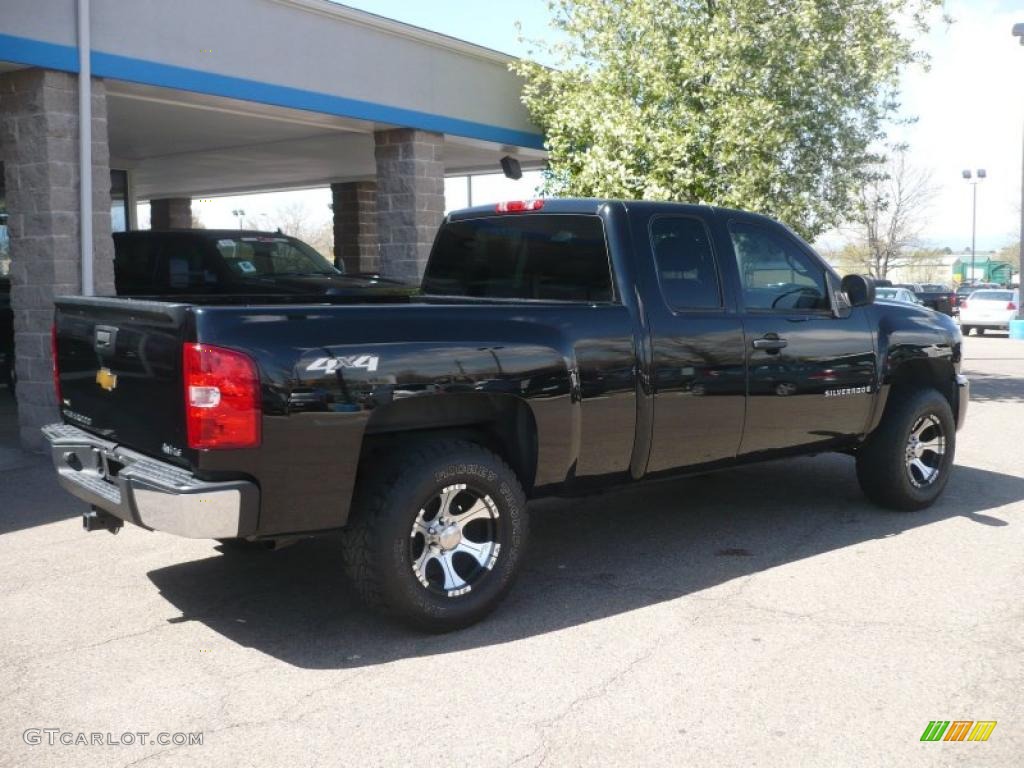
x=554 y=347
x=934 y=296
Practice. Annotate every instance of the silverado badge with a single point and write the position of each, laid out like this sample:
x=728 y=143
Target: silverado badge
x=106 y=379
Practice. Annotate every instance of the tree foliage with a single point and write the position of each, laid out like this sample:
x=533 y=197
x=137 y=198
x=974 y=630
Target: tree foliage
x=770 y=105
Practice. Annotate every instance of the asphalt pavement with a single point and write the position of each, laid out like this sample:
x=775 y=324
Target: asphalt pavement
x=766 y=616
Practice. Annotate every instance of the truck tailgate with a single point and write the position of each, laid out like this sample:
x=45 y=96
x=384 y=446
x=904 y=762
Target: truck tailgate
x=120 y=364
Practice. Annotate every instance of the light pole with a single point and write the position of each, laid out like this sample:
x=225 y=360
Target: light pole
x=1017 y=326
x=239 y=213
x=974 y=181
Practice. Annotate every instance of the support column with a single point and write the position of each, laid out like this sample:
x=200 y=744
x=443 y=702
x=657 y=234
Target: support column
x=39 y=150
x=170 y=213
x=355 y=226
x=410 y=199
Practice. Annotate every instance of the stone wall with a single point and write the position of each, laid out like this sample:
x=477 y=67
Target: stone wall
x=170 y=213
x=355 y=226
x=410 y=199
x=39 y=151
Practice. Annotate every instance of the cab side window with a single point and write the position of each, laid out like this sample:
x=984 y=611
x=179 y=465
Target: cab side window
x=685 y=263
x=776 y=274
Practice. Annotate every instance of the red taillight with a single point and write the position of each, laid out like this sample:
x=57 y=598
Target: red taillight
x=222 y=398
x=963 y=303
x=56 y=366
x=518 y=206
x=1012 y=306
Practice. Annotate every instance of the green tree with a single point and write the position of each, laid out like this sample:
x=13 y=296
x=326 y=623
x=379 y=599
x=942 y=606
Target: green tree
x=771 y=105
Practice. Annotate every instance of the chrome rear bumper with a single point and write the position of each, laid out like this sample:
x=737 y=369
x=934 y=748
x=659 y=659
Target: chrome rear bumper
x=150 y=493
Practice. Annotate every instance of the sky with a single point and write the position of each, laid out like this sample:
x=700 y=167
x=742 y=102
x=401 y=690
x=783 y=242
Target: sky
x=969 y=110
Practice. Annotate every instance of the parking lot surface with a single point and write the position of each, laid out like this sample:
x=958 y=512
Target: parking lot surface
x=758 y=617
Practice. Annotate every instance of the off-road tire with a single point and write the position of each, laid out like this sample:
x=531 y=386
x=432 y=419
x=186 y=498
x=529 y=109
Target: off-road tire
x=390 y=496
x=882 y=469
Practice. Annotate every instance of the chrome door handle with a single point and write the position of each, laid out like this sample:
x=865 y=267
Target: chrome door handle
x=770 y=344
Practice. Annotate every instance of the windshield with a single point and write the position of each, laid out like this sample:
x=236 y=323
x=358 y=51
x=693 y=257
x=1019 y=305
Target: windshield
x=253 y=256
x=886 y=293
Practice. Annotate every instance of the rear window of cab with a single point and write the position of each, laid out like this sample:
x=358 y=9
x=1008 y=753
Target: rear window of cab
x=992 y=296
x=553 y=257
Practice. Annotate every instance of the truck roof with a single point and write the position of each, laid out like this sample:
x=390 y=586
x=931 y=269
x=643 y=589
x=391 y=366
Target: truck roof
x=212 y=233
x=593 y=205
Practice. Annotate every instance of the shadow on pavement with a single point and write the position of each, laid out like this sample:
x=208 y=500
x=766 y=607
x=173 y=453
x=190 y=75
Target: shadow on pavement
x=29 y=493
x=589 y=558
x=996 y=388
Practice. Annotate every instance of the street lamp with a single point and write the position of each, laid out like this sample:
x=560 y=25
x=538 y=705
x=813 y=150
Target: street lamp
x=974 y=180
x=239 y=213
x=1017 y=326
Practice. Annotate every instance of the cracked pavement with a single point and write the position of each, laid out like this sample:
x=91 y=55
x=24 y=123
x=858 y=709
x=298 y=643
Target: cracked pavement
x=758 y=617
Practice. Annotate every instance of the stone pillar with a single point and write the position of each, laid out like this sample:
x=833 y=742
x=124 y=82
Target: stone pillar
x=410 y=199
x=170 y=213
x=355 y=226
x=39 y=150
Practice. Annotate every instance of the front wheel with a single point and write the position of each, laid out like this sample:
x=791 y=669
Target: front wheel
x=905 y=463
x=436 y=535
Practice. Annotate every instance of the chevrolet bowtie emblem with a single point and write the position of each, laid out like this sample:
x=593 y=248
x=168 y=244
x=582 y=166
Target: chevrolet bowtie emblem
x=106 y=379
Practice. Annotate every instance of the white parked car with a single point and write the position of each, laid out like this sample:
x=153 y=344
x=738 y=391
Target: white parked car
x=988 y=309
x=904 y=295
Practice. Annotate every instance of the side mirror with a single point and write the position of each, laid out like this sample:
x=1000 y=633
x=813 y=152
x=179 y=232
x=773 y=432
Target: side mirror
x=859 y=289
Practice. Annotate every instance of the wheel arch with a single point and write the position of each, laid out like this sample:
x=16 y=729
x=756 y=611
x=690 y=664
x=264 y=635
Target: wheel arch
x=502 y=423
x=916 y=374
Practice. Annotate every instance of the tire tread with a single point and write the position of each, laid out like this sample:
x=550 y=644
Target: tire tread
x=372 y=502
x=880 y=467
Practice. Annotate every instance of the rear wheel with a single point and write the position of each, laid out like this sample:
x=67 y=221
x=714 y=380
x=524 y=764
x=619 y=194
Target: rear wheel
x=906 y=462
x=436 y=536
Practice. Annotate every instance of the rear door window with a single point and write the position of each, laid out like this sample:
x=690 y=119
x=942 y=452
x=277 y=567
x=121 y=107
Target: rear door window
x=685 y=263
x=558 y=257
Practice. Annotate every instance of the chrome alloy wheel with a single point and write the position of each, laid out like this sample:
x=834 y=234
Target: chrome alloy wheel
x=926 y=447
x=454 y=540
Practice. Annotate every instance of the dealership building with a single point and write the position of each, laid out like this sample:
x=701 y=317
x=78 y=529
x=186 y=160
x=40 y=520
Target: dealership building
x=191 y=99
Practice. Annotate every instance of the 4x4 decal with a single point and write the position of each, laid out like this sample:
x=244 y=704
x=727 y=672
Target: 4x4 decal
x=331 y=364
